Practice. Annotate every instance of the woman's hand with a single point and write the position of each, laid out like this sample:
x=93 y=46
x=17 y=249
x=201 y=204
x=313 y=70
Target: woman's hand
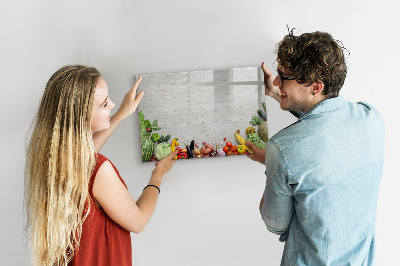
x=270 y=89
x=131 y=100
x=128 y=107
x=163 y=166
x=258 y=155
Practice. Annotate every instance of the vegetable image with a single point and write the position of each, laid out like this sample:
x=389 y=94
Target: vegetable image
x=262 y=114
x=155 y=137
x=262 y=125
x=250 y=130
x=241 y=149
x=144 y=125
x=162 y=150
x=264 y=106
x=255 y=120
x=219 y=150
x=147 y=149
x=182 y=155
x=263 y=131
x=155 y=125
x=241 y=140
x=256 y=140
x=147 y=145
x=173 y=147
x=164 y=139
x=190 y=149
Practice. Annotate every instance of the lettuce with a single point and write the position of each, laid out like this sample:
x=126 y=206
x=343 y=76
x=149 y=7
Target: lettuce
x=162 y=150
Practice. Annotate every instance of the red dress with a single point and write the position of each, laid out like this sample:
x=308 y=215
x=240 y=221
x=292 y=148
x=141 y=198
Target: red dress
x=103 y=241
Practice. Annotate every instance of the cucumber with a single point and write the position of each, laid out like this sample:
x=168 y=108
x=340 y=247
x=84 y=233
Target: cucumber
x=161 y=139
x=167 y=137
x=147 y=149
x=262 y=114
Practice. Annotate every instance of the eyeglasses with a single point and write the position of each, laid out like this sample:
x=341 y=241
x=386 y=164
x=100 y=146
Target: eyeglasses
x=282 y=78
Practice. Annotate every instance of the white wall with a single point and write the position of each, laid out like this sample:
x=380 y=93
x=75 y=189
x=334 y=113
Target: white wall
x=208 y=209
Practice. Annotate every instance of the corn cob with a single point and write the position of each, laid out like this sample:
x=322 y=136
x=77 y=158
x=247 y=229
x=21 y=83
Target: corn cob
x=241 y=140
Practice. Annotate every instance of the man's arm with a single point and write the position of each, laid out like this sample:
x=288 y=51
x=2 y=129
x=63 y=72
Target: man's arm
x=128 y=107
x=276 y=206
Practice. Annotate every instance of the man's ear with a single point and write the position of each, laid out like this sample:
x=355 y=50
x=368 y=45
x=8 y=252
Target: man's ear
x=317 y=88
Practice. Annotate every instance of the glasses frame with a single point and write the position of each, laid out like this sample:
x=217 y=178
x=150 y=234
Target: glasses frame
x=282 y=78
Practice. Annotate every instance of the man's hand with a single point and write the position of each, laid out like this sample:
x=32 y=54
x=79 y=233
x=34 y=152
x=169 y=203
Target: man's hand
x=258 y=155
x=270 y=89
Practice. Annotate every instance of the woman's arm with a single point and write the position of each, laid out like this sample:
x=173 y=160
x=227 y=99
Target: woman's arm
x=116 y=201
x=128 y=107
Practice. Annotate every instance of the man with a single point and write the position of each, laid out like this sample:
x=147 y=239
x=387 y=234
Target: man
x=323 y=171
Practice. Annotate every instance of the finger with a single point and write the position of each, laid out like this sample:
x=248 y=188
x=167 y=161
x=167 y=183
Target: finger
x=139 y=97
x=265 y=69
x=173 y=154
x=250 y=145
x=136 y=85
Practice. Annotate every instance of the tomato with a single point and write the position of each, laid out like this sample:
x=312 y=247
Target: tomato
x=229 y=153
x=225 y=149
x=229 y=144
x=233 y=148
x=236 y=153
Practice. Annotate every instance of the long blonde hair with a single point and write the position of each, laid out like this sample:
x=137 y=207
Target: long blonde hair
x=59 y=161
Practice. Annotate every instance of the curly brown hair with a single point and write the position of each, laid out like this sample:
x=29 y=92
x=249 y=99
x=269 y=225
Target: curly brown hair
x=314 y=57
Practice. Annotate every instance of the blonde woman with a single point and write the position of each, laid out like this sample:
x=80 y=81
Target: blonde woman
x=79 y=211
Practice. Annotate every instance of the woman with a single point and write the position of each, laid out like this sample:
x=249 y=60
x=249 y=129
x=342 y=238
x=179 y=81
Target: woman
x=78 y=207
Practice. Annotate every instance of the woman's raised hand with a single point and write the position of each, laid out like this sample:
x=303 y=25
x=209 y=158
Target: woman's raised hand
x=131 y=100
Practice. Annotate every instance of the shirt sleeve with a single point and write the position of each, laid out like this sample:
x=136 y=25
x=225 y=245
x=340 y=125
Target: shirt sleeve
x=277 y=209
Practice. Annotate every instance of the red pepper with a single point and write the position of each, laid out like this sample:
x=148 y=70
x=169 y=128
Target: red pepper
x=182 y=155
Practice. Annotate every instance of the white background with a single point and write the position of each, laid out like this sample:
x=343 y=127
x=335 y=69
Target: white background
x=208 y=209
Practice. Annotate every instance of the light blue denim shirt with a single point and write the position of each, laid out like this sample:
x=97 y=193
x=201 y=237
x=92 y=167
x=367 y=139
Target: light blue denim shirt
x=323 y=176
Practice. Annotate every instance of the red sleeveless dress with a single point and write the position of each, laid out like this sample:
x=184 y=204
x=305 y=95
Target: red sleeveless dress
x=103 y=241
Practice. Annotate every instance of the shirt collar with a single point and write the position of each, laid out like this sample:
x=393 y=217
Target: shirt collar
x=325 y=106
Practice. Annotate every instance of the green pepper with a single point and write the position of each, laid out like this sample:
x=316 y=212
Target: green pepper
x=155 y=137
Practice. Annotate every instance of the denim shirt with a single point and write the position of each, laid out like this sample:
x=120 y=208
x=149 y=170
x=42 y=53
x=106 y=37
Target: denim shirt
x=323 y=176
